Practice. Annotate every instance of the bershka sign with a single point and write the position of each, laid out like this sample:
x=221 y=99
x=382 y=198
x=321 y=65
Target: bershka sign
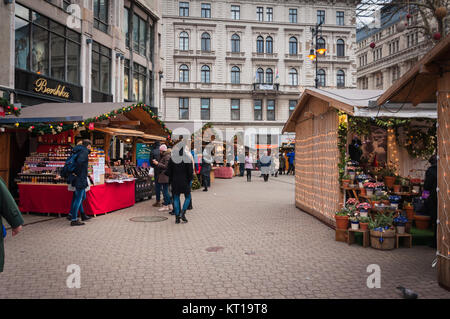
x=40 y=86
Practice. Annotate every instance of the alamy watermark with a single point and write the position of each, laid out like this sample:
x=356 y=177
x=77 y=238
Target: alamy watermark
x=74 y=279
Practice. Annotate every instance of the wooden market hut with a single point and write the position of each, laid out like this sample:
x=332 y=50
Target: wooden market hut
x=429 y=81
x=315 y=122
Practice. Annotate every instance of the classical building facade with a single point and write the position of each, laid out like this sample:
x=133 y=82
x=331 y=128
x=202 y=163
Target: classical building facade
x=394 y=50
x=80 y=51
x=243 y=64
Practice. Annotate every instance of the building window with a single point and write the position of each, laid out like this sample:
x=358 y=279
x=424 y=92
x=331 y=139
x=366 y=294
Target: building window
x=269 y=76
x=321 y=43
x=293 y=77
x=66 y=4
x=293 y=48
x=379 y=80
x=260 y=13
x=101 y=68
x=292 y=15
x=235 y=12
x=206 y=10
x=271 y=110
x=205 y=109
x=340 y=48
x=184 y=41
x=260 y=44
x=292 y=105
x=257 y=108
x=126 y=79
x=183 y=104
x=340 y=79
x=235 y=75
x=235 y=43
x=269 y=45
x=139 y=35
x=101 y=15
x=184 y=9
x=395 y=73
x=126 y=26
x=260 y=76
x=340 y=17
x=320 y=16
x=184 y=73
x=321 y=77
x=206 y=42
x=139 y=82
x=269 y=14
x=205 y=76
x=235 y=110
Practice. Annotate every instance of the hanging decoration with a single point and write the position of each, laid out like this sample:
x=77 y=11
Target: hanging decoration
x=9 y=109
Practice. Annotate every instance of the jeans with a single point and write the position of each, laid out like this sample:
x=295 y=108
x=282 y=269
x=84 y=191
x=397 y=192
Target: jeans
x=157 y=190
x=176 y=203
x=165 y=190
x=77 y=203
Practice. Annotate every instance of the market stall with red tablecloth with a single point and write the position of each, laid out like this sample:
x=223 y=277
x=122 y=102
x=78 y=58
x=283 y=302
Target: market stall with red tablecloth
x=56 y=199
x=223 y=172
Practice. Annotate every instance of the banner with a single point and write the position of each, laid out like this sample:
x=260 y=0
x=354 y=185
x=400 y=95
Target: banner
x=143 y=155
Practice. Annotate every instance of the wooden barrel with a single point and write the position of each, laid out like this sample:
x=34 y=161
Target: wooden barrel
x=388 y=241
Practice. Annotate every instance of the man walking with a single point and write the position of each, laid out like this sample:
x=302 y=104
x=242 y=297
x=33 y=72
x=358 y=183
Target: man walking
x=79 y=179
x=291 y=157
x=9 y=211
x=266 y=161
x=156 y=156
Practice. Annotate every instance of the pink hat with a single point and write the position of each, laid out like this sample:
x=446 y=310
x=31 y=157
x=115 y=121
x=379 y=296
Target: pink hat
x=163 y=148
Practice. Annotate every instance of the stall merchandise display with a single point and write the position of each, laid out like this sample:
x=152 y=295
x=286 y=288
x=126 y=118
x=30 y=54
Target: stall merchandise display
x=144 y=181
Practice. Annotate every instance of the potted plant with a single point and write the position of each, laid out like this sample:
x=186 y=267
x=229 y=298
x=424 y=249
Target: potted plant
x=416 y=182
x=382 y=234
x=395 y=200
x=388 y=172
x=379 y=188
x=397 y=184
x=346 y=180
x=400 y=223
x=409 y=208
x=375 y=200
x=341 y=218
x=422 y=221
x=354 y=221
x=384 y=199
x=364 y=222
x=369 y=188
x=351 y=203
x=363 y=209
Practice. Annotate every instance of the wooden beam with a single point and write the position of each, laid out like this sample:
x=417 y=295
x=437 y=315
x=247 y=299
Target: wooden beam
x=133 y=151
x=130 y=123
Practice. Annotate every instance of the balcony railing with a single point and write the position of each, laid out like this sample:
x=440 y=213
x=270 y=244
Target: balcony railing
x=266 y=87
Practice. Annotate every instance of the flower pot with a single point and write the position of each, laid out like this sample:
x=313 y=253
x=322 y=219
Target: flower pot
x=382 y=240
x=363 y=191
x=422 y=222
x=409 y=212
x=355 y=225
x=389 y=181
x=397 y=188
x=364 y=226
x=345 y=182
x=341 y=222
x=363 y=213
x=400 y=229
x=369 y=191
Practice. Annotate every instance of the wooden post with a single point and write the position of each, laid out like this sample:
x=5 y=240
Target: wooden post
x=5 y=145
x=133 y=151
x=106 y=145
x=443 y=135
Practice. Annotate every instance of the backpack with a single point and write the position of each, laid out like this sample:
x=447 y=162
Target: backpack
x=69 y=166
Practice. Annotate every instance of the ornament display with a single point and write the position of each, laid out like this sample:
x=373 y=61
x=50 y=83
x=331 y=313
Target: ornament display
x=372 y=45
x=437 y=36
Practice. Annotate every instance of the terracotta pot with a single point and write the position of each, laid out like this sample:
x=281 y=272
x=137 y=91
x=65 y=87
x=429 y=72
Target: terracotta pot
x=363 y=226
x=345 y=182
x=341 y=222
x=409 y=212
x=422 y=222
x=363 y=192
x=397 y=188
x=389 y=181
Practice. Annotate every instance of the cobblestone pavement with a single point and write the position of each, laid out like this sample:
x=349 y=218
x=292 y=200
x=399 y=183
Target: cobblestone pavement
x=270 y=249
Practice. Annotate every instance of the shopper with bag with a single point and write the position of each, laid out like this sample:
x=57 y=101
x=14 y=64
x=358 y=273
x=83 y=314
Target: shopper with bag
x=163 y=179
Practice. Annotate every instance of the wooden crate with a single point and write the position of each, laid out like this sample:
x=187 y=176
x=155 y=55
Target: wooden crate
x=341 y=235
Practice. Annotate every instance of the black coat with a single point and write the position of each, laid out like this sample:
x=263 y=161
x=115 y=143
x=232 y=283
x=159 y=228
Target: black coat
x=180 y=176
x=430 y=184
x=155 y=155
x=206 y=165
x=81 y=169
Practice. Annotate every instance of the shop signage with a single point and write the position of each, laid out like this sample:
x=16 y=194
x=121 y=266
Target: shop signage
x=143 y=154
x=41 y=86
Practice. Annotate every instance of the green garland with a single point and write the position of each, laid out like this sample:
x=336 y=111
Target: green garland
x=41 y=128
x=342 y=144
x=10 y=109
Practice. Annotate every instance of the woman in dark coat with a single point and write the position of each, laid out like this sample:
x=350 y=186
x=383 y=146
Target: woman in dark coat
x=206 y=169
x=162 y=179
x=180 y=173
x=430 y=185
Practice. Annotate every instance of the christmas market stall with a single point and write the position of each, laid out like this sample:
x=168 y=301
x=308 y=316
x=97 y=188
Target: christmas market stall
x=360 y=165
x=47 y=132
x=428 y=81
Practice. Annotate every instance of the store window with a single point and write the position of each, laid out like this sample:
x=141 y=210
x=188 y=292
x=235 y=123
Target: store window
x=260 y=13
x=235 y=43
x=269 y=45
x=340 y=79
x=260 y=44
x=206 y=74
x=206 y=10
x=206 y=42
x=235 y=75
x=320 y=16
x=292 y=105
x=292 y=15
x=205 y=109
x=139 y=35
x=101 y=15
x=184 y=9
x=46 y=47
x=235 y=110
x=101 y=68
x=235 y=12
x=293 y=46
x=139 y=82
x=271 y=110
x=183 y=103
x=257 y=107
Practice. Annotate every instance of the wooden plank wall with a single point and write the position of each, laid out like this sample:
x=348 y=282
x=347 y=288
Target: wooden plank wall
x=5 y=142
x=316 y=158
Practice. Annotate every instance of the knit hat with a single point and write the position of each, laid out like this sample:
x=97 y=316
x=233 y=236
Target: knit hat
x=163 y=148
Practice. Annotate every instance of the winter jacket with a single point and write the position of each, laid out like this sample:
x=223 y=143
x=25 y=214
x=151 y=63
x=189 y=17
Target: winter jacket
x=79 y=181
x=248 y=162
x=10 y=212
x=430 y=184
x=180 y=176
x=161 y=168
x=155 y=155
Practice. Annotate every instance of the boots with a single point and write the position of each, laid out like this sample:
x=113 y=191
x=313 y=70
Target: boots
x=177 y=219
x=183 y=216
x=85 y=217
x=206 y=189
x=157 y=204
x=76 y=223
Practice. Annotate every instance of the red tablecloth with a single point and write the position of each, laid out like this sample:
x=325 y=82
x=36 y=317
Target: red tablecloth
x=56 y=199
x=223 y=172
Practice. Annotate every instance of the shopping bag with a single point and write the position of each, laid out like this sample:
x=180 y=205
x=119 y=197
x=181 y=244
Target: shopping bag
x=3 y=231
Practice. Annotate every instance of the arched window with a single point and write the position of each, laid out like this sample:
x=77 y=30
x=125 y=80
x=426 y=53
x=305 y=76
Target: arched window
x=321 y=43
x=235 y=43
x=321 y=77
x=206 y=42
x=184 y=73
x=269 y=45
x=235 y=75
x=260 y=76
x=293 y=77
x=340 y=47
x=184 y=41
x=293 y=48
x=340 y=79
x=269 y=76
x=260 y=44
x=206 y=74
